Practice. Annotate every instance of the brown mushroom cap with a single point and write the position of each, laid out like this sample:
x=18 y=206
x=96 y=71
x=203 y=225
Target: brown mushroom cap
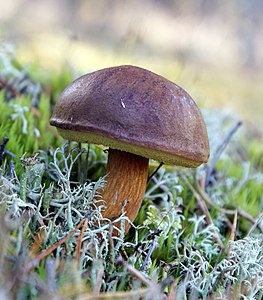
x=139 y=115
x=134 y=110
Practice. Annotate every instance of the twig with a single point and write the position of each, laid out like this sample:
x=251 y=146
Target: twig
x=34 y=262
x=2 y=148
x=78 y=247
x=154 y=245
x=9 y=153
x=80 y=165
x=13 y=171
x=5 y=85
x=219 y=151
x=205 y=211
x=240 y=212
x=233 y=233
x=231 y=240
x=228 y=223
x=154 y=172
x=256 y=224
x=130 y=269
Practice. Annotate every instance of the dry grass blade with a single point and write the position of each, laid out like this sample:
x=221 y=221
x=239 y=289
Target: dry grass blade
x=99 y=280
x=78 y=247
x=172 y=295
x=38 y=242
x=233 y=234
x=137 y=274
x=231 y=239
x=33 y=263
x=204 y=210
x=131 y=295
x=219 y=151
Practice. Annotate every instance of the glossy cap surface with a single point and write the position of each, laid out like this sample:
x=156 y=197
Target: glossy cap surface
x=132 y=109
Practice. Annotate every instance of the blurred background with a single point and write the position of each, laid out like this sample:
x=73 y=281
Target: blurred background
x=212 y=48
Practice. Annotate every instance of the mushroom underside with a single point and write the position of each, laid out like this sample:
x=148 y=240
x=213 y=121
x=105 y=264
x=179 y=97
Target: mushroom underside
x=190 y=160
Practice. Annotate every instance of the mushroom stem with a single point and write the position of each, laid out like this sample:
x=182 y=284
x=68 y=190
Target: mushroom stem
x=126 y=182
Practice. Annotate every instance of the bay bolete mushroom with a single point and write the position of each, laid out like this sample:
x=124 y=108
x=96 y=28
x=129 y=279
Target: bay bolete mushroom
x=138 y=115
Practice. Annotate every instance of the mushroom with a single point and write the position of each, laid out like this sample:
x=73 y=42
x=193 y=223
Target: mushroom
x=138 y=115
